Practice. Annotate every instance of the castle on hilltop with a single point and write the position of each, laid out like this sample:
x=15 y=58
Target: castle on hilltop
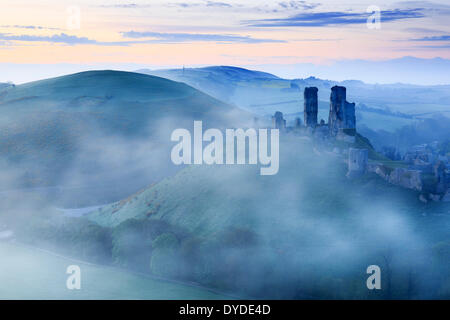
x=341 y=118
x=341 y=125
x=342 y=113
x=422 y=168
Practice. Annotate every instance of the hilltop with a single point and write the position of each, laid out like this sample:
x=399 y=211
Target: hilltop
x=217 y=81
x=98 y=127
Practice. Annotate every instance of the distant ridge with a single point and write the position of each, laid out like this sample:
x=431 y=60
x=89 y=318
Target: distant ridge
x=230 y=72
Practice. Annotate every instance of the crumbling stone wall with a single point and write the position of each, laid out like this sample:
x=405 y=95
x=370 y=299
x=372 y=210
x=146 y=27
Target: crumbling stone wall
x=411 y=179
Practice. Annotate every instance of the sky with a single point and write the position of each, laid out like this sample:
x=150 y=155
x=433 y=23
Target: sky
x=55 y=36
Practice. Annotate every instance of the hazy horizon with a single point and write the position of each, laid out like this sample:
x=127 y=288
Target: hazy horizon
x=406 y=70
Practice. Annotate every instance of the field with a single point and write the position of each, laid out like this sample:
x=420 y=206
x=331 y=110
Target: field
x=31 y=274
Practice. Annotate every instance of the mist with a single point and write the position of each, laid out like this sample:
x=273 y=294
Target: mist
x=106 y=195
x=310 y=234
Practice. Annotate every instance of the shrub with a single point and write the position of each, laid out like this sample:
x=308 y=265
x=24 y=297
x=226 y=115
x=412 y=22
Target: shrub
x=132 y=242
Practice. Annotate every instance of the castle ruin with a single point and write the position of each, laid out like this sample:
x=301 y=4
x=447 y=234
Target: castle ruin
x=278 y=122
x=357 y=162
x=311 y=107
x=419 y=161
x=341 y=119
x=342 y=113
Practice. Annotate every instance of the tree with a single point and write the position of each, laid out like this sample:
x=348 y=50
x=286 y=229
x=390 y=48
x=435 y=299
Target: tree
x=165 y=260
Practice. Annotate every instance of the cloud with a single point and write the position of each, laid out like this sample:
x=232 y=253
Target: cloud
x=298 y=5
x=321 y=19
x=434 y=38
x=4 y=44
x=62 y=38
x=276 y=7
x=124 y=5
x=444 y=46
x=153 y=37
x=58 y=38
x=183 y=5
x=439 y=8
x=193 y=37
x=431 y=42
x=423 y=30
x=215 y=4
x=218 y=4
x=29 y=27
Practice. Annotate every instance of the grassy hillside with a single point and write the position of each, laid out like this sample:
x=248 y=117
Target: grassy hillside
x=207 y=199
x=298 y=231
x=221 y=82
x=252 y=90
x=99 y=127
x=121 y=102
x=27 y=273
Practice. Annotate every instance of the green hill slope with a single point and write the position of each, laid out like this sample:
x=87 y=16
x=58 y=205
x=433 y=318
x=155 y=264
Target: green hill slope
x=221 y=82
x=208 y=199
x=86 y=128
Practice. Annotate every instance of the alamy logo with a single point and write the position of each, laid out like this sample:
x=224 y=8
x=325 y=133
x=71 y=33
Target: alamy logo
x=74 y=18
x=74 y=280
x=374 y=280
x=374 y=20
x=235 y=153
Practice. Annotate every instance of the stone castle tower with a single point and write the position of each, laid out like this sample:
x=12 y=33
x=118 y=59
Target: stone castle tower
x=342 y=113
x=278 y=122
x=357 y=162
x=310 y=107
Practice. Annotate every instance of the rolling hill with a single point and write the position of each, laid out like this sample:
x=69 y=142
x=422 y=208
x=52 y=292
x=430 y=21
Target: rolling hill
x=97 y=128
x=220 y=81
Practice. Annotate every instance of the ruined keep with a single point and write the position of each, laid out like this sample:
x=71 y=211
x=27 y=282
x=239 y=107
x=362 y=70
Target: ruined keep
x=310 y=108
x=278 y=122
x=342 y=113
x=341 y=121
x=357 y=162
